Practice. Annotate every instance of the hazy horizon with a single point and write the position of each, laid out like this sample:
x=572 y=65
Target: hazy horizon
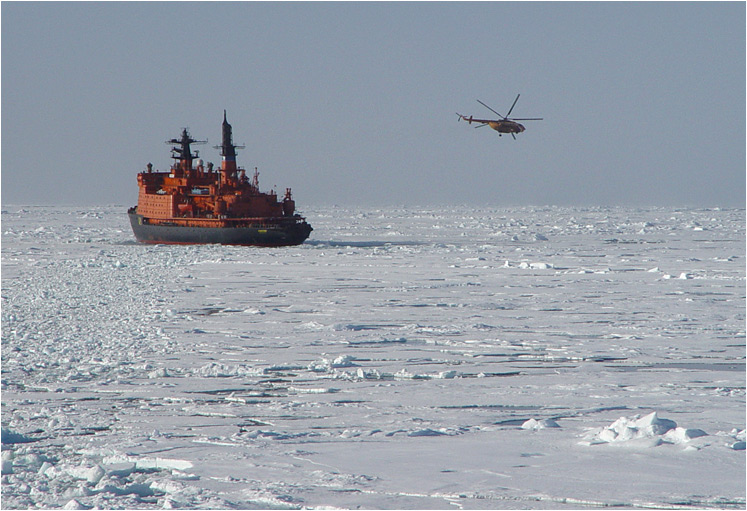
x=354 y=103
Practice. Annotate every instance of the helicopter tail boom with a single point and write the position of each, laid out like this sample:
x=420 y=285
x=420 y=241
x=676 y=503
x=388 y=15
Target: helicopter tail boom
x=468 y=119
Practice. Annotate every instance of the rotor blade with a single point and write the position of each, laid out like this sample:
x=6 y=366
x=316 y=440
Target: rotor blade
x=529 y=119
x=480 y=126
x=486 y=106
x=512 y=106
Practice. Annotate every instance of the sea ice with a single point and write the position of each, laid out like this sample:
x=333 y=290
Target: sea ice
x=384 y=363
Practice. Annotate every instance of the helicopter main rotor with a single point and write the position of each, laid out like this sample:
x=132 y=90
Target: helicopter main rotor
x=506 y=117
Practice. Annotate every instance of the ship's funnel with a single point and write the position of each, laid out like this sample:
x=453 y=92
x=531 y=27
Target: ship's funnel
x=228 y=150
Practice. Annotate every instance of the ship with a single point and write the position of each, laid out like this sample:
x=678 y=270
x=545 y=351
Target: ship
x=194 y=203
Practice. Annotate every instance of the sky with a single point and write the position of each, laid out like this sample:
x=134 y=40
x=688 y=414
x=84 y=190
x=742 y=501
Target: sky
x=354 y=103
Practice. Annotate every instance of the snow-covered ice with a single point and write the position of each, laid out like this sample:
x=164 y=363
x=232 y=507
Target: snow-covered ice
x=401 y=358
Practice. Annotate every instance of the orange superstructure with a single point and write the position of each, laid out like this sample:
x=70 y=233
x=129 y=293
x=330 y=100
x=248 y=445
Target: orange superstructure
x=194 y=203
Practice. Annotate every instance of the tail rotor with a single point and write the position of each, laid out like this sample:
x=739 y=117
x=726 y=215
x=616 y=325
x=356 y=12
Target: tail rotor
x=468 y=119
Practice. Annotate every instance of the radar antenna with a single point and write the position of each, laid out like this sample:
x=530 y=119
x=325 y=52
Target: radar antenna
x=185 y=151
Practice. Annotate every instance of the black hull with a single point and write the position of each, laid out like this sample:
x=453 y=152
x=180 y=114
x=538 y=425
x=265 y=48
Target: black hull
x=290 y=233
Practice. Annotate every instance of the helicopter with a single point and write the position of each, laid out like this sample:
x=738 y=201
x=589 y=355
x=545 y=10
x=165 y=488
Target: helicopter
x=504 y=125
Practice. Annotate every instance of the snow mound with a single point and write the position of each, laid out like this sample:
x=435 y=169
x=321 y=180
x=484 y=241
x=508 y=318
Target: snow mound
x=735 y=439
x=647 y=431
x=217 y=370
x=535 y=424
x=683 y=435
x=326 y=365
x=536 y=266
x=524 y=265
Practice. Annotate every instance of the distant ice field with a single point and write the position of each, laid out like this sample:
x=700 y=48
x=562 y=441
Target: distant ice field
x=422 y=358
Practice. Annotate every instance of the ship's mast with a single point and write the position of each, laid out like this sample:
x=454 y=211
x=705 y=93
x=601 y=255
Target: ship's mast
x=184 y=153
